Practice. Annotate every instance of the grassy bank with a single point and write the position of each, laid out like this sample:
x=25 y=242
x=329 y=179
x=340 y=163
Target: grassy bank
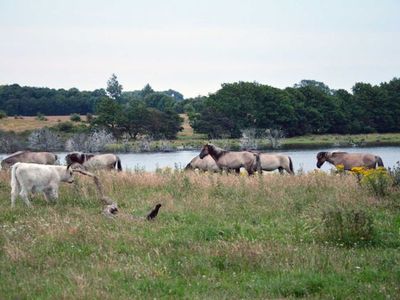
x=216 y=236
x=301 y=142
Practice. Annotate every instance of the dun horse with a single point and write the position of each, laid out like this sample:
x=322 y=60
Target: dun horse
x=349 y=160
x=44 y=158
x=271 y=162
x=94 y=162
x=232 y=160
x=205 y=164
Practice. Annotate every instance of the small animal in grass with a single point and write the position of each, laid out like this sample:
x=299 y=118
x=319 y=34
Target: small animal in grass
x=153 y=213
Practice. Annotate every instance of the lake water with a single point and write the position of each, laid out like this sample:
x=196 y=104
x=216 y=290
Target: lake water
x=302 y=159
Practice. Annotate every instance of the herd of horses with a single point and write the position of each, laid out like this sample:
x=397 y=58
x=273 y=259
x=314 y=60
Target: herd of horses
x=211 y=158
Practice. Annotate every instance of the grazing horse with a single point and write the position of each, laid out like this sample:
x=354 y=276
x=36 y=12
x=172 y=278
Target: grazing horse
x=94 y=161
x=44 y=158
x=271 y=162
x=205 y=164
x=232 y=160
x=349 y=160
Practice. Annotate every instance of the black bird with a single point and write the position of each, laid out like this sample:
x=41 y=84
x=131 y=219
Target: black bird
x=153 y=213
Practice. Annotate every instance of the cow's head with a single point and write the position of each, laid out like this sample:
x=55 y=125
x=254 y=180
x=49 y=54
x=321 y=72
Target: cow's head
x=68 y=175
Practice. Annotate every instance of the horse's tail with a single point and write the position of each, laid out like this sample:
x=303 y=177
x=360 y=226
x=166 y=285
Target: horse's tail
x=379 y=161
x=119 y=166
x=291 y=165
x=258 y=162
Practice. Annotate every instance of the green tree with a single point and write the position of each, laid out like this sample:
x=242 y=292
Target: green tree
x=114 y=89
x=109 y=114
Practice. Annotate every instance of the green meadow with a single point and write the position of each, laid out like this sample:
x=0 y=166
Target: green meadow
x=312 y=235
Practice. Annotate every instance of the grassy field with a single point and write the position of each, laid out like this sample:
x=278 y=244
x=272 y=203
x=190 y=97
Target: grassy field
x=188 y=139
x=217 y=236
x=31 y=123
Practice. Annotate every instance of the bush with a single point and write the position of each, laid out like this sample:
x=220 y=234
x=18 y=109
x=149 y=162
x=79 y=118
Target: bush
x=75 y=118
x=394 y=173
x=89 y=117
x=44 y=140
x=93 y=142
x=3 y=114
x=347 y=227
x=376 y=180
x=41 y=117
x=65 y=126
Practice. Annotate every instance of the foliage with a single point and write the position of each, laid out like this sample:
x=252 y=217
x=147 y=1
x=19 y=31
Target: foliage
x=310 y=107
x=11 y=142
x=347 y=227
x=94 y=142
x=3 y=114
x=41 y=117
x=44 y=140
x=248 y=139
x=376 y=180
x=394 y=173
x=114 y=89
x=28 y=101
x=75 y=118
x=275 y=137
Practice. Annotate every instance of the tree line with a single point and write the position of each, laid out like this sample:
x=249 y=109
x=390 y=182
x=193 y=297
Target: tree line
x=309 y=107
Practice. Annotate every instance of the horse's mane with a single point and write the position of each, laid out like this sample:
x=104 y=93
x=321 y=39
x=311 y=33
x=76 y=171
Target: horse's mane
x=336 y=153
x=217 y=150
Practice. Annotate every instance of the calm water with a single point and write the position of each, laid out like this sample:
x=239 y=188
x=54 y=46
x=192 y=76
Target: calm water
x=302 y=159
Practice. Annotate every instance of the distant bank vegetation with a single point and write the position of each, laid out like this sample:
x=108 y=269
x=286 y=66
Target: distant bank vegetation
x=235 y=110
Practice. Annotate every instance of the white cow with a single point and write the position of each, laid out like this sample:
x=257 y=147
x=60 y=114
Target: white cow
x=31 y=178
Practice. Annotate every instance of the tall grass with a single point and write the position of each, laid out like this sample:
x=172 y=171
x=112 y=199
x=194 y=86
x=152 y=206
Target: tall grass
x=216 y=236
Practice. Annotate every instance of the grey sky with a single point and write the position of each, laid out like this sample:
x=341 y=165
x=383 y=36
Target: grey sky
x=194 y=46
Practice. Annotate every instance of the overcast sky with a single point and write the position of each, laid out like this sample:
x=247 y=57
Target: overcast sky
x=194 y=46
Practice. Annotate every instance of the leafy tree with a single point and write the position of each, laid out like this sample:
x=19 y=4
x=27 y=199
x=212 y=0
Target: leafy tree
x=147 y=90
x=114 y=89
x=109 y=114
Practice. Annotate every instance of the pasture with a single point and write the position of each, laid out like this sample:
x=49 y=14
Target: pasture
x=31 y=123
x=216 y=236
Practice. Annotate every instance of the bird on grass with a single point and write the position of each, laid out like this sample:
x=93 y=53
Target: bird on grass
x=153 y=213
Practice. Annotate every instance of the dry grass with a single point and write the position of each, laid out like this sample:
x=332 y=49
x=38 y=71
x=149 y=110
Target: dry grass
x=217 y=236
x=31 y=123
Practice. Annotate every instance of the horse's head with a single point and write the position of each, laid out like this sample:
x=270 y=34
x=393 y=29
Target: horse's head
x=204 y=151
x=189 y=166
x=74 y=157
x=321 y=158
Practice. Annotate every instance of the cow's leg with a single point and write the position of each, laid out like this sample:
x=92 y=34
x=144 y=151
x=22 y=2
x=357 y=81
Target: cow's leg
x=14 y=195
x=53 y=194
x=280 y=170
x=24 y=195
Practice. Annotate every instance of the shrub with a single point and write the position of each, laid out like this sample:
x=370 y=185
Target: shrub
x=44 y=140
x=3 y=114
x=89 y=117
x=347 y=227
x=65 y=126
x=41 y=117
x=75 y=118
x=93 y=142
x=394 y=173
x=376 y=180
